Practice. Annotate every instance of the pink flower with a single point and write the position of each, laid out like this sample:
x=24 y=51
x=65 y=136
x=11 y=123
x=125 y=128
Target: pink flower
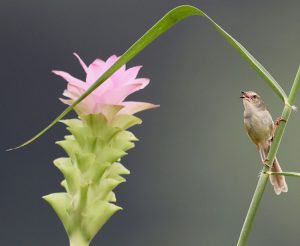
x=112 y=92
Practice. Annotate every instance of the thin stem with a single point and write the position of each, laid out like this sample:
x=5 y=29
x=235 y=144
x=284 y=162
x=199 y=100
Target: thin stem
x=290 y=174
x=262 y=182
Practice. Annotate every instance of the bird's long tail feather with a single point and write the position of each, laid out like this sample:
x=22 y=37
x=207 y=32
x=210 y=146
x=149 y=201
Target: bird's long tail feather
x=278 y=181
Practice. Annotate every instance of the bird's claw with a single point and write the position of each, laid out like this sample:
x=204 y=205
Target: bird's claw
x=276 y=124
x=265 y=162
x=278 y=120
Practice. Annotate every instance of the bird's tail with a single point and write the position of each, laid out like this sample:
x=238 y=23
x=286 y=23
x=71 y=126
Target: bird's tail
x=278 y=181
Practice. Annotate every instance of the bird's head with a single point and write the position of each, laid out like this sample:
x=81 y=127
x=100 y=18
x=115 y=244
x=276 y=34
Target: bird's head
x=252 y=100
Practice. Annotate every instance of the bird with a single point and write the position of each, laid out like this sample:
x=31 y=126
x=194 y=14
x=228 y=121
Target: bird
x=260 y=128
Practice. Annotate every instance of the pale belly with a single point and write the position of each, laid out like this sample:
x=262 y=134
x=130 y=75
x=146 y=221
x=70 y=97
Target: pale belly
x=259 y=127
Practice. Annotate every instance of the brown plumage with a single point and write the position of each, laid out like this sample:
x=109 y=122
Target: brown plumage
x=260 y=128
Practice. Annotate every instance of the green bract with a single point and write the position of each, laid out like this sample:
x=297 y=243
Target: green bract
x=92 y=171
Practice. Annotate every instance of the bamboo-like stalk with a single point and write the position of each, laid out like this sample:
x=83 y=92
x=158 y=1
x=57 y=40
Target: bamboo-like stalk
x=262 y=182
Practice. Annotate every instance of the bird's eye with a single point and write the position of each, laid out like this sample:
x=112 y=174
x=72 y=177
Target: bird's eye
x=254 y=96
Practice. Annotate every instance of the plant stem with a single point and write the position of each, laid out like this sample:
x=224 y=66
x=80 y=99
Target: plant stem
x=262 y=182
x=77 y=239
x=291 y=174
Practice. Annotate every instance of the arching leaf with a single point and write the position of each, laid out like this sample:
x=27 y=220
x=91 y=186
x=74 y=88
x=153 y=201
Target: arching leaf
x=170 y=19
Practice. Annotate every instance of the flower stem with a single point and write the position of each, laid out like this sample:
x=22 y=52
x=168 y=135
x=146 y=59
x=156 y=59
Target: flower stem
x=77 y=239
x=262 y=182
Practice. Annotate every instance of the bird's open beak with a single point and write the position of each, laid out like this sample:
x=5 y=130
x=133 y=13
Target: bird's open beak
x=244 y=96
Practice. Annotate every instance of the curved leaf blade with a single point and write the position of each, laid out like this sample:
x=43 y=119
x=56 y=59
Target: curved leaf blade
x=166 y=22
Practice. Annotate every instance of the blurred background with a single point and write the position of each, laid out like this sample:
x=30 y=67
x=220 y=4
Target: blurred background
x=194 y=170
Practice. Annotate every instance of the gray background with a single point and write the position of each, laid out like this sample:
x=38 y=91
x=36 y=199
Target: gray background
x=194 y=170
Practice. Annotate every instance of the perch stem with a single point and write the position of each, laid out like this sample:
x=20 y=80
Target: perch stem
x=262 y=182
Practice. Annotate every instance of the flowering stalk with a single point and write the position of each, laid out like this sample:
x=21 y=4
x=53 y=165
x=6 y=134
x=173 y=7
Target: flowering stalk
x=91 y=172
x=99 y=139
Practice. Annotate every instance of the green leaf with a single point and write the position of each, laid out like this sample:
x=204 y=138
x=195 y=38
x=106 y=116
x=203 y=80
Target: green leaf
x=165 y=23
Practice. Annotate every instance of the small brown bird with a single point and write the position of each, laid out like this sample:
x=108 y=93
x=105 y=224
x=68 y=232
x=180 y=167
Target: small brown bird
x=260 y=128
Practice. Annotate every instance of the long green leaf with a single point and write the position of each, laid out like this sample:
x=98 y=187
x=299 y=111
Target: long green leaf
x=170 y=19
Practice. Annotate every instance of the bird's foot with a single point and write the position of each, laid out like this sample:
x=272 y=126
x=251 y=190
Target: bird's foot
x=276 y=124
x=265 y=162
x=278 y=120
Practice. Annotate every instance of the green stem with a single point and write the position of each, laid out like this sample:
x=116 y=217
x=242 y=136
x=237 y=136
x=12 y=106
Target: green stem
x=77 y=239
x=290 y=174
x=262 y=182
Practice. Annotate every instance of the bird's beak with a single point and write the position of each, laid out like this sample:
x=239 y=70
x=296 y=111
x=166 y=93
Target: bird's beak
x=244 y=96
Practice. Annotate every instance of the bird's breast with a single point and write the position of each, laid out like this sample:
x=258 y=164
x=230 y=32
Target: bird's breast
x=259 y=126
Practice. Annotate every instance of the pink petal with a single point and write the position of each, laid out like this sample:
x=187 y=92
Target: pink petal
x=118 y=75
x=101 y=64
x=111 y=60
x=134 y=107
x=131 y=73
x=126 y=90
x=76 y=91
x=72 y=80
x=82 y=107
x=103 y=88
x=142 y=81
x=85 y=68
x=94 y=72
x=69 y=94
x=122 y=76
x=99 y=67
x=137 y=83
x=118 y=95
x=66 y=101
x=111 y=93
